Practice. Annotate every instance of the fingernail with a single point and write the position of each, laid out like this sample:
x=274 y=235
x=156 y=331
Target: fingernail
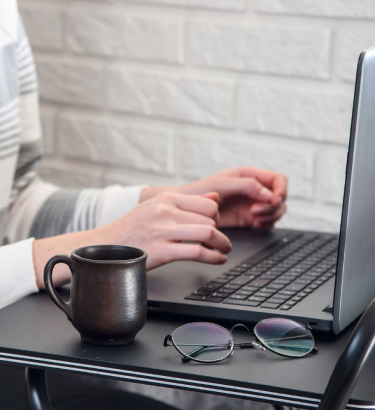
x=279 y=200
x=224 y=258
x=265 y=193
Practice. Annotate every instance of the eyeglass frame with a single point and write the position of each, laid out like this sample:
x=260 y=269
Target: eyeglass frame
x=256 y=344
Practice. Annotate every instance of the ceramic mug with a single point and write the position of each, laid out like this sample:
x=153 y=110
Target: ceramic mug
x=108 y=293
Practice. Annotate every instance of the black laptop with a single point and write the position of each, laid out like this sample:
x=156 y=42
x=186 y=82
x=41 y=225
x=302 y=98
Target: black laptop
x=320 y=279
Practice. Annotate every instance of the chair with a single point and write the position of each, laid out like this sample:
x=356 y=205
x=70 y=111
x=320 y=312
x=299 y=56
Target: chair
x=350 y=363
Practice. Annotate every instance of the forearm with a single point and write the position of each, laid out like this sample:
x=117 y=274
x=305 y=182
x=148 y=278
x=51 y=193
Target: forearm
x=149 y=192
x=44 y=249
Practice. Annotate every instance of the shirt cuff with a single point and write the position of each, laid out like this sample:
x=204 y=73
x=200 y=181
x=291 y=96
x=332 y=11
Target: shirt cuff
x=116 y=201
x=17 y=278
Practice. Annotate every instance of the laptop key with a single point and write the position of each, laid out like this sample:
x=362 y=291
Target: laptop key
x=244 y=292
x=232 y=273
x=195 y=297
x=237 y=269
x=250 y=288
x=219 y=295
x=285 y=307
x=201 y=293
x=242 y=280
x=275 y=300
x=269 y=290
x=263 y=294
x=212 y=299
x=231 y=286
x=259 y=283
x=266 y=276
x=276 y=286
x=287 y=292
x=241 y=302
x=256 y=299
x=279 y=296
x=269 y=305
x=209 y=287
x=238 y=297
x=295 y=287
x=227 y=291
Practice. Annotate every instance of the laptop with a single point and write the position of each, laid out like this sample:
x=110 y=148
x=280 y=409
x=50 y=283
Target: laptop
x=323 y=280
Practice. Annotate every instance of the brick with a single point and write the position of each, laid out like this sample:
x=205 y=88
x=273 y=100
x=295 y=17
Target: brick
x=206 y=4
x=331 y=175
x=70 y=175
x=44 y=27
x=122 y=35
x=201 y=156
x=303 y=115
x=350 y=43
x=331 y=8
x=316 y=219
x=48 y=121
x=186 y=98
x=119 y=177
x=289 y=52
x=68 y=83
x=117 y=143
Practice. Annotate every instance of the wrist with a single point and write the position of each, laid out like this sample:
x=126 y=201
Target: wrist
x=149 y=192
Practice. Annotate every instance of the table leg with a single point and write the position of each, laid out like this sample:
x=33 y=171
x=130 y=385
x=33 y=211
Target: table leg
x=37 y=389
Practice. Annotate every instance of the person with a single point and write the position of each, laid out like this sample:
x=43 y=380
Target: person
x=39 y=220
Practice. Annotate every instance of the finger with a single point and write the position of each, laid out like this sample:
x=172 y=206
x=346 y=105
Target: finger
x=194 y=203
x=214 y=196
x=249 y=187
x=277 y=182
x=259 y=209
x=272 y=217
x=193 y=252
x=192 y=218
x=279 y=188
x=208 y=235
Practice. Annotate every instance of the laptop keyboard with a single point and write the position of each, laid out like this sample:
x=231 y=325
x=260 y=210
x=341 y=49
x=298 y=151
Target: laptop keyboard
x=278 y=277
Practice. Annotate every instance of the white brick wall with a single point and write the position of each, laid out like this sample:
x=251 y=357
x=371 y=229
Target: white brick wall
x=164 y=91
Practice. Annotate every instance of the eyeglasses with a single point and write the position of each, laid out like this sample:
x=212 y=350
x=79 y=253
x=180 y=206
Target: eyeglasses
x=210 y=343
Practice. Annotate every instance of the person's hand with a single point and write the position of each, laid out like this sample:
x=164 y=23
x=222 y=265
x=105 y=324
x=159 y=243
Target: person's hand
x=249 y=197
x=169 y=227
x=160 y=224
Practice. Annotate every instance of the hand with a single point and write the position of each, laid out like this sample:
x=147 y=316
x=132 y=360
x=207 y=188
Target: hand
x=249 y=197
x=158 y=226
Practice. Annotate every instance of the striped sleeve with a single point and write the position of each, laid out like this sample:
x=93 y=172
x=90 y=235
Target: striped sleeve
x=38 y=209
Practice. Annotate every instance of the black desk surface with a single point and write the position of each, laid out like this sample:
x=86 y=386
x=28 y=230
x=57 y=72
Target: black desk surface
x=35 y=333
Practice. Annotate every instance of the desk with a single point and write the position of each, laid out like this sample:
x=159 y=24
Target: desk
x=35 y=333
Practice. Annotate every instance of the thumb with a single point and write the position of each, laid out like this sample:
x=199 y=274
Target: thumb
x=214 y=196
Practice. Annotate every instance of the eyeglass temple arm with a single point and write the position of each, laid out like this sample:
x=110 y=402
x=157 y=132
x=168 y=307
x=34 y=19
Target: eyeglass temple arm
x=196 y=352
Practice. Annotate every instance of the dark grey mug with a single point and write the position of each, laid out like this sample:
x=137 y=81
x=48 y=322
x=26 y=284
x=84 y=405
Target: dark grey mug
x=108 y=293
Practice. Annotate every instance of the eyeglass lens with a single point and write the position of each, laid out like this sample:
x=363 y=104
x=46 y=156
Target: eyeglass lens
x=284 y=336
x=203 y=341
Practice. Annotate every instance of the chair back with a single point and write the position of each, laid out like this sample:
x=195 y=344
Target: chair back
x=348 y=367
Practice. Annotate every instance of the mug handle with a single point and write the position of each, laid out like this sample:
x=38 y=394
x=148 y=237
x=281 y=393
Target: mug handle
x=66 y=307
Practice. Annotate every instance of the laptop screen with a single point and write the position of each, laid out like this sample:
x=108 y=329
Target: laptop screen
x=355 y=280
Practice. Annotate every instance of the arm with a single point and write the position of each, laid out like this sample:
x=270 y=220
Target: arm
x=249 y=197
